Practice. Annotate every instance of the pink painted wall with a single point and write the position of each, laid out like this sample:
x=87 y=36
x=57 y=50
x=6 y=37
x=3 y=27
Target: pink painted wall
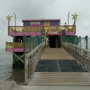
x=9 y=49
x=38 y=33
x=70 y=33
x=11 y=34
x=33 y=25
x=16 y=50
x=24 y=33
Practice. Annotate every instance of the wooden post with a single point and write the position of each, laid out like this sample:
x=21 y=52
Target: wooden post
x=80 y=41
x=86 y=42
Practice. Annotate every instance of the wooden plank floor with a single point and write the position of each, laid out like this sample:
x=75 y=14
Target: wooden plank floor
x=60 y=78
x=3 y=84
x=55 y=87
x=56 y=53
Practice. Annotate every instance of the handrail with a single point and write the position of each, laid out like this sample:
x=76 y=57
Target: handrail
x=82 y=55
x=22 y=29
x=31 y=61
x=14 y=45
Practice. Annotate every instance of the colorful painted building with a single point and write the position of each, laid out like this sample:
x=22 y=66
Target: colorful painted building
x=49 y=28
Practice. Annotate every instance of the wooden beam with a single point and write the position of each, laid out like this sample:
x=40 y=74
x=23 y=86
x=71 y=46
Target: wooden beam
x=19 y=58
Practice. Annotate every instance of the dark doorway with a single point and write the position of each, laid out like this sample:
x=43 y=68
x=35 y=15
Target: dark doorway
x=53 y=41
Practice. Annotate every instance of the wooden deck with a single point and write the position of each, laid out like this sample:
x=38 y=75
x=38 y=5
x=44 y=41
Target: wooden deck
x=56 y=53
x=59 y=78
x=53 y=80
x=3 y=84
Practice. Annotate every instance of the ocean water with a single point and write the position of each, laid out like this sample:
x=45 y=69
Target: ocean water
x=7 y=73
x=5 y=65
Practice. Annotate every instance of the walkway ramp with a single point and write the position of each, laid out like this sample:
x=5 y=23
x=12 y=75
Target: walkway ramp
x=59 y=81
x=60 y=78
x=56 y=53
x=56 y=87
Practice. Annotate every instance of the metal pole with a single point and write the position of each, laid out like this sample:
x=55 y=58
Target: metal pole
x=86 y=42
x=14 y=41
x=15 y=21
x=68 y=20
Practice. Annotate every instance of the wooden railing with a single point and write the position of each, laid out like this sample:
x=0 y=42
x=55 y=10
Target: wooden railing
x=80 y=54
x=39 y=28
x=31 y=61
x=14 y=45
x=23 y=29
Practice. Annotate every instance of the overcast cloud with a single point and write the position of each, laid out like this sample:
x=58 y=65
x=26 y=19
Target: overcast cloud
x=47 y=9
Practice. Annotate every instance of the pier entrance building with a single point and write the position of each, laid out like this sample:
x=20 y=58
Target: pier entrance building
x=54 y=39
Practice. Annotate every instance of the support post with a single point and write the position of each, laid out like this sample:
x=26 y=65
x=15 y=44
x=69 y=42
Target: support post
x=68 y=20
x=86 y=42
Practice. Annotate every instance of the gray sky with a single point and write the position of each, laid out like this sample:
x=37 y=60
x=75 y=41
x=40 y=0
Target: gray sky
x=47 y=9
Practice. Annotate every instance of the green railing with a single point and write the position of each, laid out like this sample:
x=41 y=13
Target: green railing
x=32 y=42
x=83 y=42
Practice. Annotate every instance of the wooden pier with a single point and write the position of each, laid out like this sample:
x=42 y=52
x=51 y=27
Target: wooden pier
x=55 y=80
x=59 y=78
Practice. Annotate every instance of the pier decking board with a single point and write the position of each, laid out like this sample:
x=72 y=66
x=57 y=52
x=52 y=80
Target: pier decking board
x=60 y=78
x=3 y=84
x=70 y=74
x=56 y=53
x=56 y=87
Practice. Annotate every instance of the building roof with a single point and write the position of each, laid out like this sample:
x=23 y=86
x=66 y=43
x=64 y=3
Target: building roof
x=38 y=20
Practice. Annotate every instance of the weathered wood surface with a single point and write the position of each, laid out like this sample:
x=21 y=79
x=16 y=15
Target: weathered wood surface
x=56 y=53
x=60 y=78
